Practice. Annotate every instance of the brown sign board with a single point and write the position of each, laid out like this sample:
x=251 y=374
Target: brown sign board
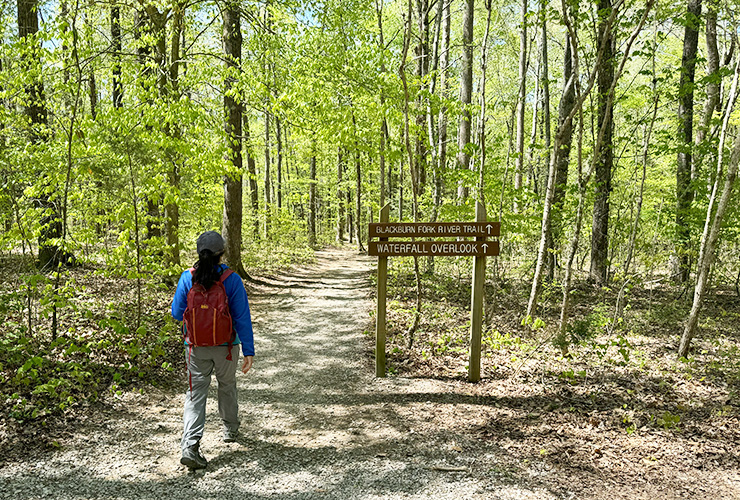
x=433 y=248
x=433 y=229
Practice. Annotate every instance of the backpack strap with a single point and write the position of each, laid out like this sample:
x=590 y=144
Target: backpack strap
x=225 y=274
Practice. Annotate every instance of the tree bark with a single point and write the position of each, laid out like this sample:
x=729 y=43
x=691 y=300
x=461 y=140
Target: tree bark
x=521 y=101
x=358 y=198
x=466 y=92
x=480 y=195
x=341 y=220
x=232 y=218
x=422 y=70
x=384 y=122
x=312 y=202
x=605 y=162
x=442 y=120
x=51 y=225
x=279 y=140
x=116 y=40
x=684 y=190
x=562 y=157
x=252 y=171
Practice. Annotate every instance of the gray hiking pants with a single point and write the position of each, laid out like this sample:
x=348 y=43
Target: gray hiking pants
x=202 y=362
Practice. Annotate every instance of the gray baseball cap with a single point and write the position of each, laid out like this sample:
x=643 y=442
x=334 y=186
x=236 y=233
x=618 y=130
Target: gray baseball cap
x=210 y=240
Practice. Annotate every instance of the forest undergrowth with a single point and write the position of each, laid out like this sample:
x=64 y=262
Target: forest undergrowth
x=617 y=407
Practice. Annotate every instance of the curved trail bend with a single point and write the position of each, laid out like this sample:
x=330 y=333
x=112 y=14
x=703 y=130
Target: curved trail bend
x=315 y=421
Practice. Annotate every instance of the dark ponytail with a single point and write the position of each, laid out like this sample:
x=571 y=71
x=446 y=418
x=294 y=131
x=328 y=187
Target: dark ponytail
x=206 y=272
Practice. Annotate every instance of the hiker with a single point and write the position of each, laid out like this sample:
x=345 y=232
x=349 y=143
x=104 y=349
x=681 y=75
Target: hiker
x=212 y=342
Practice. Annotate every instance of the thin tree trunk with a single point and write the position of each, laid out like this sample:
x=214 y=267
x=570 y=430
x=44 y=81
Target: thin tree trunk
x=713 y=223
x=384 y=123
x=414 y=175
x=279 y=140
x=561 y=339
x=533 y=132
x=252 y=171
x=562 y=157
x=684 y=190
x=312 y=201
x=268 y=161
x=358 y=198
x=340 y=197
x=482 y=133
x=545 y=79
x=521 y=101
x=115 y=32
x=645 y=159
x=350 y=218
x=444 y=93
x=422 y=70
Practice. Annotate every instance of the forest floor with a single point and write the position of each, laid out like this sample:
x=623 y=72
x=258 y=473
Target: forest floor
x=316 y=423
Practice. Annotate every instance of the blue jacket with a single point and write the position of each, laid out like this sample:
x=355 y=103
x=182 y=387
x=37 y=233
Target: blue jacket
x=238 y=306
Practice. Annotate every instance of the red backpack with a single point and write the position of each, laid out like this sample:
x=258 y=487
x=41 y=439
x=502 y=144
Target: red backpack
x=207 y=316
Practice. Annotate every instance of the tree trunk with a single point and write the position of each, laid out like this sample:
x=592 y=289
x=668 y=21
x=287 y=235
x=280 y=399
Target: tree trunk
x=232 y=218
x=713 y=86
x=51 y=225
x=312 y=202
x=521 y=101
x=713 y=224
x=466 y=92
x=684 y=190
x=350 y=218
x=172 y=210
x=252 y=171
x=562 y=157
x=279 y=140
x=116 y=40
x=482 y=132
x=384 y=122
x=604 y=164
x=422 y=70
x=545 y=79
x=442 y=120
x=414 y=174
x=358 y=199
x=341 y=220
x=92 y=90
x=268 y=198
x=645 y=159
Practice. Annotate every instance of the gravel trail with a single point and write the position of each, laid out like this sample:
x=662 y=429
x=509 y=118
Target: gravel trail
x=315 y=421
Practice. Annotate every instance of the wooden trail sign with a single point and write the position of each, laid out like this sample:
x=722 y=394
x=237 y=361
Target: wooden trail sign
x=479 y=248
x=432 y=248
x=433 y=229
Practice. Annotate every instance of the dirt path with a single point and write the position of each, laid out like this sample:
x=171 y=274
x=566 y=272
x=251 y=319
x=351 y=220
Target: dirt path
x=315 y=422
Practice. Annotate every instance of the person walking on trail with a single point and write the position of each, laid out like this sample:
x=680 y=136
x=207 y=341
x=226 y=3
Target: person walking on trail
x=213 y=303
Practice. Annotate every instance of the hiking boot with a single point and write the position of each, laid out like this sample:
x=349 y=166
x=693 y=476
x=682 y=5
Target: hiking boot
x=230 y=435
x=192 y=458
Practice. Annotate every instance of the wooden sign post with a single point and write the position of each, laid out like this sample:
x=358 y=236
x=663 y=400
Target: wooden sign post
x=380 y=311
x=476 y=303
x=481 y=230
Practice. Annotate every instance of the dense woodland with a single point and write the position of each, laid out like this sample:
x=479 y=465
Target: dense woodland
x=603 y=135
